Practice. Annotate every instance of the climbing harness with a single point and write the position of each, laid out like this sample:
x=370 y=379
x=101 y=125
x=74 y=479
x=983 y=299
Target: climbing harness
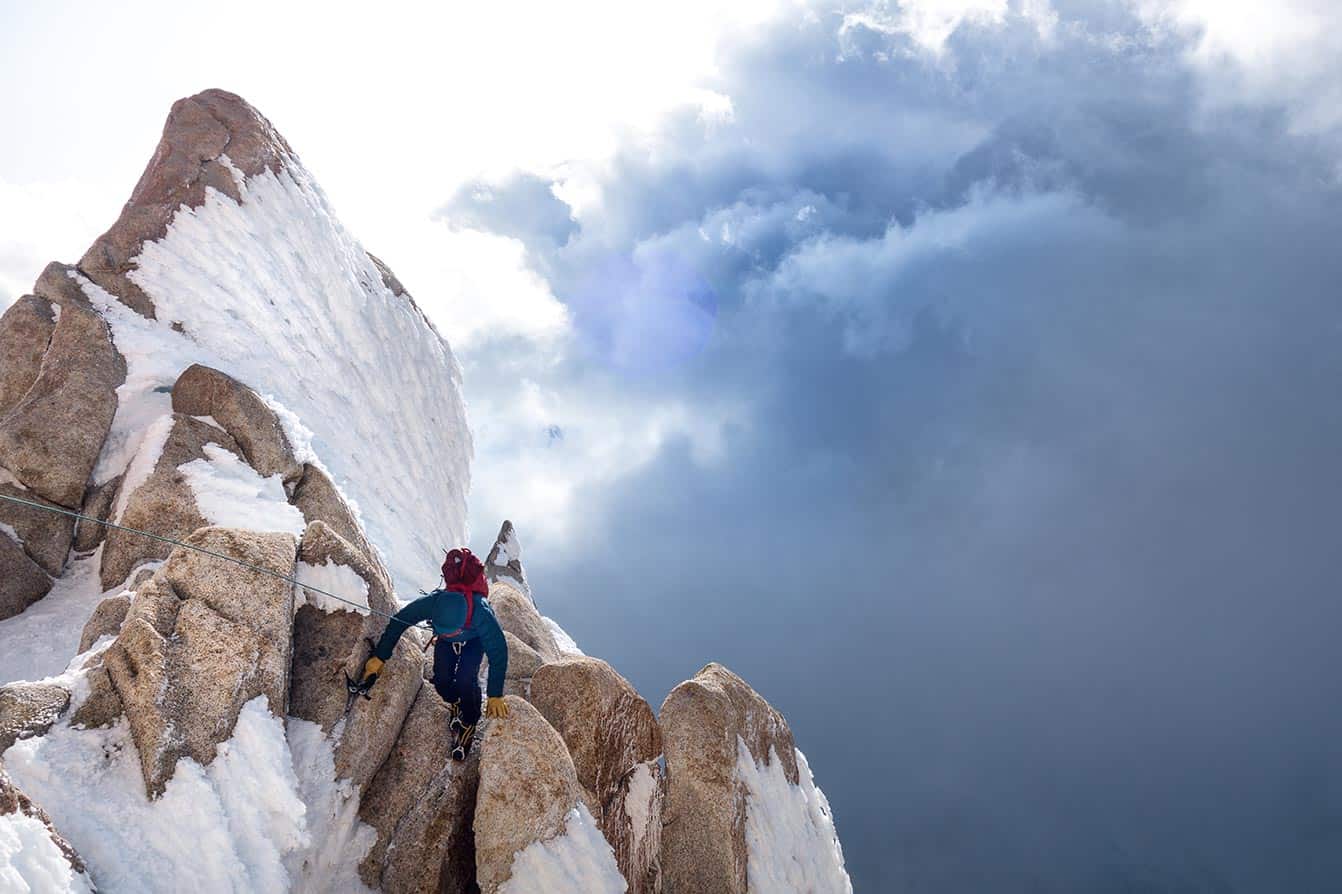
x=200 y=549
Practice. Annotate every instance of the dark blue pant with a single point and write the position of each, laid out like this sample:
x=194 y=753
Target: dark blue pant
x=456 y=676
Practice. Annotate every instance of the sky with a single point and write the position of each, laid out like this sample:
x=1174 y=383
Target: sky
x=964 y=375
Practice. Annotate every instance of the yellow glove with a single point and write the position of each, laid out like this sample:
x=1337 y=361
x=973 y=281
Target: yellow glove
x=372 y=666
x=496 y=708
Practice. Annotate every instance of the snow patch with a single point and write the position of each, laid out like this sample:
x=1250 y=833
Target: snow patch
x=639 y=798
x=230 y=493
x=39 y=642
x=11 y=533
x=296 y=433
x=577 y=862
x=790 y=836
x=332 y=577
x=565 y=642
x=339 y=840
x=509 y=549
x=140 y=459
x=225 y=827
x=31 y=862
x=155 y=356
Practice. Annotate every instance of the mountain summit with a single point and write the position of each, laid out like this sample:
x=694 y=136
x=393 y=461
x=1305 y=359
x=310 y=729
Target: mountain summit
x=265 y=442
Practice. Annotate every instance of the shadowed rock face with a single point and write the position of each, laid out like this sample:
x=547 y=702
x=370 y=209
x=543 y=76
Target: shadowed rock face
x=98 y=503
x=422 y=805
x=46 y=536
x=240 y=411
x=50 y=439
x=21 y=582
x=25 y=332
x=315 y=496
x=205 y=134
x=703 y=840
x=106 y=620
x=527 y=786
x=609 y=730
x=202 y=638
x=328 y=645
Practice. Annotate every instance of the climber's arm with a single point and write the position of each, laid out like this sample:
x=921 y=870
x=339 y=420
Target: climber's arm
x=419 y=610
x=496 y=648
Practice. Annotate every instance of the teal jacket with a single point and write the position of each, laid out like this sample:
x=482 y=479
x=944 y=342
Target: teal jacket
x=446 y=610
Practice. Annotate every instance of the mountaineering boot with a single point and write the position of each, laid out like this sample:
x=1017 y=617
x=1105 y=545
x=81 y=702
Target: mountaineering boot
x=462 y=736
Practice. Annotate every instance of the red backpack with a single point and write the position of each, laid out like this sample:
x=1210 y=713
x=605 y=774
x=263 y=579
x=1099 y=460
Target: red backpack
x=462 y=573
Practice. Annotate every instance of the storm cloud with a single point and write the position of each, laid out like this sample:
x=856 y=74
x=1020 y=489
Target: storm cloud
x=1018 y=360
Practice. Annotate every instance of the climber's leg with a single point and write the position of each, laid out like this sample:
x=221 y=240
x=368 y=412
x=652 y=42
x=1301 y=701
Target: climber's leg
x=444 y=675
x=466 y=684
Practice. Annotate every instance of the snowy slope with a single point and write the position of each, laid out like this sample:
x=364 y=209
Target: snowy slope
x=276 y=293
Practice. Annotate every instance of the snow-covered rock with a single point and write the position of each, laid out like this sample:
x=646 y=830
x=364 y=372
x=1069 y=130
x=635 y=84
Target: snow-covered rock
x=207 y=138
x=238 y=410
x=203 y=638
x=705 y=722
x=323 y=546
x=615 y=744
x=578 y=861
x=155 y=495
x=528 y=785
x=225 y=826
x=791 y=843
x=504 y=561
x=251 y=273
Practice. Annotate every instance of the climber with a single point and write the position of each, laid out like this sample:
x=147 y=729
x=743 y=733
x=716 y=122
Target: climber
x=464 y=630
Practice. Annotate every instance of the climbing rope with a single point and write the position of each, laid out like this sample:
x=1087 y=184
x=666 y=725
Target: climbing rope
x=200 y=549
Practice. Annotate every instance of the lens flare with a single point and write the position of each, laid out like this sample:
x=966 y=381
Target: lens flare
x=644 y=316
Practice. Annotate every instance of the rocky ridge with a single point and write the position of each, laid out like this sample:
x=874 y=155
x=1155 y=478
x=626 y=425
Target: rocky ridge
x=183 y=642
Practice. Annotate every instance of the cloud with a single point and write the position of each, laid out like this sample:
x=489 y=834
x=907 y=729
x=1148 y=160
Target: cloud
x=526 y=207
x=1022 y=375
